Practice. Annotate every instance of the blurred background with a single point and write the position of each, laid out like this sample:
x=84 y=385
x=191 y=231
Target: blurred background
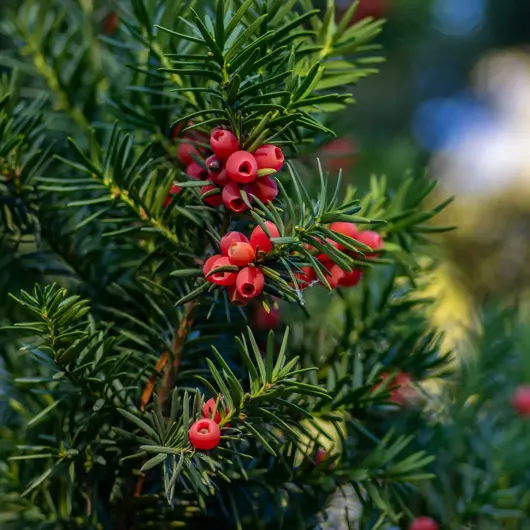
x=453 y=97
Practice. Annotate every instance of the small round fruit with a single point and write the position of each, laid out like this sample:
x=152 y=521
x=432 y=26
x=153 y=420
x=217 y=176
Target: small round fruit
x=265 y=189
x=346 y=229
x=241 y=254
x=323 y=257
x=221 y=179
x=224 y=143
x=214 y=165
x=204 y=434
x=242 y=167
x=234 y=296
x=208 y=265
x=269 y=157
x=351 y=279
x=222 y=278
x=423 y=523
x=260 y=240
x=196 y=171
x=372 y=240
x=229 y=239
x=306 y=277
x=250 y=282
x=209 y=407
x=320 y=456
x=336 y=274
x=266 y=321
x=215 y=199
x=232 y=198
x=521 y=401
x=184 y=152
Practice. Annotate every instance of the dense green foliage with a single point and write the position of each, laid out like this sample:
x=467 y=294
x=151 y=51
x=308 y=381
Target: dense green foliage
x=109 y=358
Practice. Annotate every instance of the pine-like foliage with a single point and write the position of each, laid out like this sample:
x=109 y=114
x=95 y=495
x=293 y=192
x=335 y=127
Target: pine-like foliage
x=109 y=359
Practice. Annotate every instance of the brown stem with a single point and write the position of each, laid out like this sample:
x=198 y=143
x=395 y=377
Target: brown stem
x=169 y=372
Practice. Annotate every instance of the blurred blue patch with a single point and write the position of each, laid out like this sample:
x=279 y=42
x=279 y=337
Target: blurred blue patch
x=458 y=17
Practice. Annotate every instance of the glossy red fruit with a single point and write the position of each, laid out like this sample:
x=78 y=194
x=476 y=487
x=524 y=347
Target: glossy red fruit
x=423 y=523
x=232 y=198
x=265 y=189
x=371 y=239
x=212 y=200
x=196 y=171
x=400 y=387
x=241 y=254
x=209 y=407
x=521 y=400
x=208 y=264
x=214 y=165
x=346 y=229
x=260 y=240
x=250 y=282
x=269 y=157
x=172 y=191
x=221 y=179
x=264 y=320
x=324 y=258
x=242 y=167
x=229 y=239
x=320 y=456
x=351 y=279
x=224 y=143
x=234 y=296
x=336 y=274
x=204 y=434
x=185 y=150
x=222 y=278
x=306 y=277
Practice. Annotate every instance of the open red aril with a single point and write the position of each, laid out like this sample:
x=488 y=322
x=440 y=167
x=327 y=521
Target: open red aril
x=250 y=282
x=260 y=240
x=269 y=157
x=224 y=143
x=204 y=434
x=232 y=198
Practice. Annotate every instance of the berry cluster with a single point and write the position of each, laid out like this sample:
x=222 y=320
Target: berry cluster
x=239 y=251
x=232 y=170
x=205 y=433
x=336 y=277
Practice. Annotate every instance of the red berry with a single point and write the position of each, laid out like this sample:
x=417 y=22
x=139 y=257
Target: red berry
x=260 y=240
x=264 y=320
x=242 y=167
x=220 y=179
x=204 y=434
x=212 y=200
x=400 y=387
x=185 y=150
x=214 y=165
x=335 y=276
x=320 y=456
x=269 y=157
x=196 y=171
x=323 y=257
x=209 y=407
x=346 y=229
x=177 y=130
x=521 y=400
x=306 y=277
x=340 y=154
x=232 y=198
x=208 y=265
x=234 y=296
x=111 y=23
x=423 y=523
x=250 y=282
x=229 y=239
x=172 y=191
x=265 y=189
x=241 y=254
x=224 y=143
x=222 y=278
x=372 y=240
x=351 y=279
